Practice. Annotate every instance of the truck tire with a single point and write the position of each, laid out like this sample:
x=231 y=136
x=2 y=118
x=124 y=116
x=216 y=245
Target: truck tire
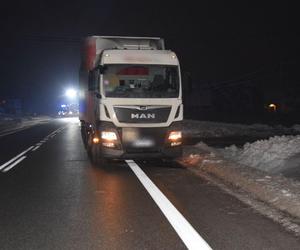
x=84 y=135
x=97 y=158
x=94 y=153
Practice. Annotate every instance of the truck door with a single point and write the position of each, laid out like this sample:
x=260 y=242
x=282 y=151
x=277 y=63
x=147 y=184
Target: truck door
x=93 y=94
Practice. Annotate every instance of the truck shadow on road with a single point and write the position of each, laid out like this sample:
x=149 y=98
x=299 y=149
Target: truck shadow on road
x=158 y=163
x=121 y=165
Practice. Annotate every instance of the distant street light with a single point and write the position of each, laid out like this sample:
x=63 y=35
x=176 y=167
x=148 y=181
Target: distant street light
x=71 y=93
x=272 y=107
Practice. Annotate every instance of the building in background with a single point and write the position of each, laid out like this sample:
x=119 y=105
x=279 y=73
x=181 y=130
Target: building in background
x=11 y=106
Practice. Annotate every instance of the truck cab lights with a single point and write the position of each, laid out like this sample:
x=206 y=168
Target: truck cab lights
x=108 y=144
x=108 y=136
x=109 y=139
x=175 y=135
x=96 y=140
x=175 y=138
x=173 y=55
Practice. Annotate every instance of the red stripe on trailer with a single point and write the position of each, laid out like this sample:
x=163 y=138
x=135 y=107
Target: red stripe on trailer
x=89 y=53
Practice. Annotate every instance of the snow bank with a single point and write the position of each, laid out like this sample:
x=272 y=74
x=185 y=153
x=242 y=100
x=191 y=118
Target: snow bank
x=272 y=155
x=296 y=127
x=279 y=192
x=7 y=121
x=206 y=129
x=12 y=123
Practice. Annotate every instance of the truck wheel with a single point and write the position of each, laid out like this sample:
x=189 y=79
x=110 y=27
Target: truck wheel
x=94 y=153
x=83 y=136
x=97 y=157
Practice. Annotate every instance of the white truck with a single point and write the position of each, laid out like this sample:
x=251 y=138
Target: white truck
x=130 y=98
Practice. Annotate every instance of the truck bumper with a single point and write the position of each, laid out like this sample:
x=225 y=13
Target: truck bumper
x=131 y=143
x=168 y=153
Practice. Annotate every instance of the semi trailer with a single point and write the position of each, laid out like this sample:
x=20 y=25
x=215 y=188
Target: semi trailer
x=130 y=98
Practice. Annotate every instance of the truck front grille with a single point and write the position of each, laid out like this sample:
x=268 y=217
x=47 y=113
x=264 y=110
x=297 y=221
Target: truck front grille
x=142 y=114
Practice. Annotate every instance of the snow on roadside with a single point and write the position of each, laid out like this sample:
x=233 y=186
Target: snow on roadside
x=207 y=129
x=265 y=157
x=8 y=120
x=267 y=193
x=273 y=155
x=281 y=151
x=11 y=123
x=296 y=128
x=276 y=190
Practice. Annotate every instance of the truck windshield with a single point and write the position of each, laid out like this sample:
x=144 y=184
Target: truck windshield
x=141 y=81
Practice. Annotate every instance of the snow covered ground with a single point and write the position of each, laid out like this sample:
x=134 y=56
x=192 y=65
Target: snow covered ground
x=10 y=123
x=207 y=129
x=279 y=151
x=255 y=167
x=273 y=155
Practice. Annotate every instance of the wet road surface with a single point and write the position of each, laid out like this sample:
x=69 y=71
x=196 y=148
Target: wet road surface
x=52 y=197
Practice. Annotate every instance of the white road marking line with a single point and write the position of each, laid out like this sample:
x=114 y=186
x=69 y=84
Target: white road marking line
x=15 y=158
x=184 y=229
x=14 y=164
x=51 y=135
x=37 y=147
x=55 y=131
x=24 y=152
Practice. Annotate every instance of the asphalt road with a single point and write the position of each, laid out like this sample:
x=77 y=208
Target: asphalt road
x=52 y=197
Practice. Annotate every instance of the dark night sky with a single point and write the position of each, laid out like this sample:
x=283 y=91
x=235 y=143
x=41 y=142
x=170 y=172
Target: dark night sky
x=215 y=40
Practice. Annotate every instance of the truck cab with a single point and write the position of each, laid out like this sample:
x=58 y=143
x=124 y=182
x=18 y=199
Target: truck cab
x=130 y=99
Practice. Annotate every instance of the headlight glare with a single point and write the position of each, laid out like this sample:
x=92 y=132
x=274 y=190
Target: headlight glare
x=175 y=135
x=108 y=135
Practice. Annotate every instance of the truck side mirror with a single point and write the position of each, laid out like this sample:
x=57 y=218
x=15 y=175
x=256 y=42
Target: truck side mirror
x=102 y=68
x=98 y=95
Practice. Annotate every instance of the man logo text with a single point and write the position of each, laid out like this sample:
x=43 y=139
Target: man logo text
x=142 y=116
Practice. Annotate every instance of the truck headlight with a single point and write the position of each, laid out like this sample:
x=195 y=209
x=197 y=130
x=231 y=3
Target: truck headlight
x=108 y=136
x=96 y=140
x=175 y=136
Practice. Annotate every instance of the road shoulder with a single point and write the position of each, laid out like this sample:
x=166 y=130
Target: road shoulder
x=11 y=126
x=280 y=196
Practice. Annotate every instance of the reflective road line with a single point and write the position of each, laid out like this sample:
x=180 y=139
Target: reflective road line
x=37 y=147
x=15 y=158
x=186 y=232
x=14 y=164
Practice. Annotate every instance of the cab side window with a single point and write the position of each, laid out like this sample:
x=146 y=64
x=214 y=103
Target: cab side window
x=93 y=80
